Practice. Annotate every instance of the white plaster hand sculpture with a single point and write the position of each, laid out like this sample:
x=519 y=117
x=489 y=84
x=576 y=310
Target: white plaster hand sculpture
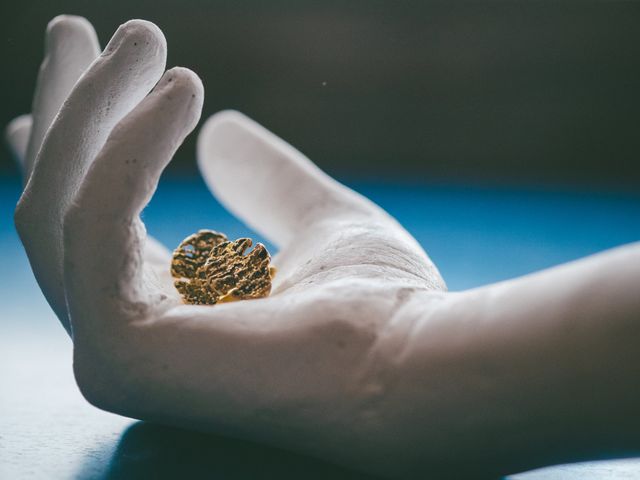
x=359 y=356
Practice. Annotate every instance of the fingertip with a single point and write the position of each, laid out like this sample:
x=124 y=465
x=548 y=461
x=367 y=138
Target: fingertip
x=71 y=29
x=221 y=136
x=182 y=77
x=62 y=24
x=139 y=38
x=223 y=122
x=183 y=87
x=224 y=117
x=18 y=127
x=17 y=135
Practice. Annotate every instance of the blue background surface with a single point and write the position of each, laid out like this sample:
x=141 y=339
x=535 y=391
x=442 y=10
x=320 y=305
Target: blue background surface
x=475 y=235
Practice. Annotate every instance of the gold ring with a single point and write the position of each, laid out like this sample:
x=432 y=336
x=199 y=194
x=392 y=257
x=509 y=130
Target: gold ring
x=210 y=269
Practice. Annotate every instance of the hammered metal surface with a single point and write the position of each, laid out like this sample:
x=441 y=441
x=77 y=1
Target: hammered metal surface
x=193 y=252
x=209 y=269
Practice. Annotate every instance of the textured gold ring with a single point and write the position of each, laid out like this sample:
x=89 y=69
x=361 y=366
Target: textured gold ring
x=210 y=269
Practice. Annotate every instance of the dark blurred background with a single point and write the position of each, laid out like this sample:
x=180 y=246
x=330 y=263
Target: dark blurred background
x=522 y=92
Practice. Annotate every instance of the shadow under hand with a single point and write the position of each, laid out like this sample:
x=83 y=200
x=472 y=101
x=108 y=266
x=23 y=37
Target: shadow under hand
x=147 y=450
